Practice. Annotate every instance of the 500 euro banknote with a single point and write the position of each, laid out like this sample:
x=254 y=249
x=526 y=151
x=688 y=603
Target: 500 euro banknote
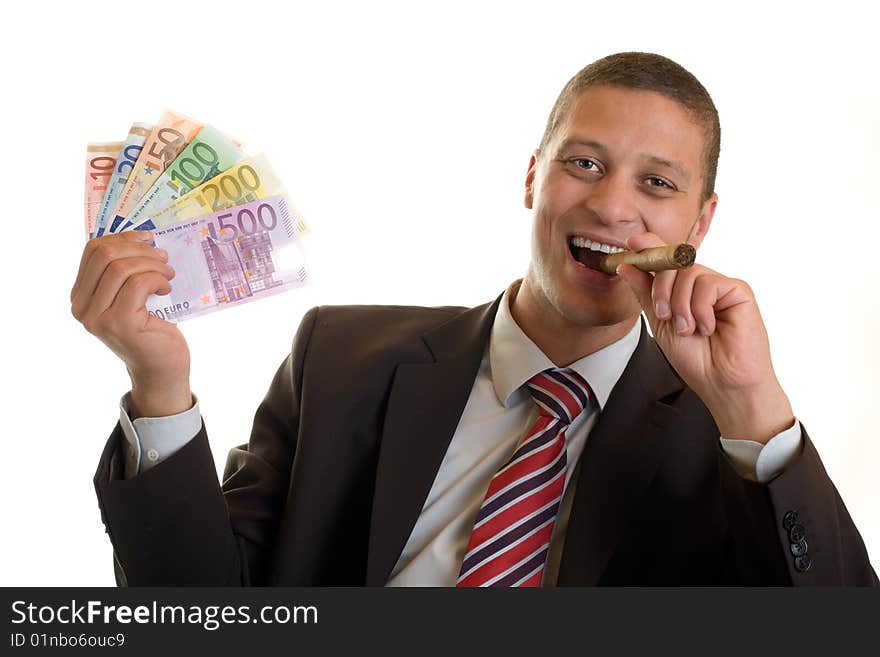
x=230 y=257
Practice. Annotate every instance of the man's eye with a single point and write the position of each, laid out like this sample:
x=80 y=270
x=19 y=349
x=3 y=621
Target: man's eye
x=659 y=183
x=584 y=163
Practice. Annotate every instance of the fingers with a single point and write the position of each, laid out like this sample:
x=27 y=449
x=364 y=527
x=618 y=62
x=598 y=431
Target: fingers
x=669 y=295
x=97 y=244
x=133 y=294
x=97 y=256
x=689 y=299
x=107 y=264
x=661 y=294
x=681 y=299
x=697 y=297
x=705 y=296
x=641 y=283
x=643 y=241
x=116 y=276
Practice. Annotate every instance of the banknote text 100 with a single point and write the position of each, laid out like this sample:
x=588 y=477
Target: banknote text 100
x=186 y=170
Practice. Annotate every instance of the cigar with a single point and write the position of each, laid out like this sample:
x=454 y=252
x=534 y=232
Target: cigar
x=658 y=258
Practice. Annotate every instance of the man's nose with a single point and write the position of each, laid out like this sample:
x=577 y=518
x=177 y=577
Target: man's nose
x=613 y=200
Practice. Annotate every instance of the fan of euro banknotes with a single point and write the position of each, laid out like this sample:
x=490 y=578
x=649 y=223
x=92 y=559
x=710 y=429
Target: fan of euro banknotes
x=231 y=233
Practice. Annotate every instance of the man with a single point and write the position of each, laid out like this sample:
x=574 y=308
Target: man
x=540 y=439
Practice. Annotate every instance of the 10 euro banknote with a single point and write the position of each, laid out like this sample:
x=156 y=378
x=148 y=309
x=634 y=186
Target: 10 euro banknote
x=230 y=257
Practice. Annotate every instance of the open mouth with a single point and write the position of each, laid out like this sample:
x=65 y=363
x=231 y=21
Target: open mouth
x=588 y=253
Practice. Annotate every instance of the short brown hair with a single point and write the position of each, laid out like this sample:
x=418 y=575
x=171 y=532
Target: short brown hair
x=649 y=72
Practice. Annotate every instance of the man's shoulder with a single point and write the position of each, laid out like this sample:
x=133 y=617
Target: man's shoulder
x=403 y=320
x=362 y=331
x=387 y=312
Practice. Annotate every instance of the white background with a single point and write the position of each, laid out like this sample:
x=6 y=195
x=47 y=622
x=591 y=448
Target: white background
x=403 y=134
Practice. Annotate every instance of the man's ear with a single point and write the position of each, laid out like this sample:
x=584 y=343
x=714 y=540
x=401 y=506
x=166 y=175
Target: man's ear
x=701 y=225
x=530 y=180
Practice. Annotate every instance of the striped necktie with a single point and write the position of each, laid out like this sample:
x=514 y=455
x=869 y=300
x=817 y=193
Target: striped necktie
x=511 y=535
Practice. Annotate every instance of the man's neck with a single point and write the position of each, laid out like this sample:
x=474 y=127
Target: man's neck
x=562 y=341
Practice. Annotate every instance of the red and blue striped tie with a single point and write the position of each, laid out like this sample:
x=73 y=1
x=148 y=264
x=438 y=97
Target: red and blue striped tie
x=511 y=536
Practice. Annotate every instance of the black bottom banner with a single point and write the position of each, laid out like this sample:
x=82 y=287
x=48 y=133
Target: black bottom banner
x=170 y=621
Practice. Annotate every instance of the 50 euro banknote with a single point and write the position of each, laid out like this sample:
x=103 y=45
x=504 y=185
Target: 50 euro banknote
x=230 y=257
x=162 y=146
x=206 y=156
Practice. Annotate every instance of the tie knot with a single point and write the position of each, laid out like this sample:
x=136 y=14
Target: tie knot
x=561 y=394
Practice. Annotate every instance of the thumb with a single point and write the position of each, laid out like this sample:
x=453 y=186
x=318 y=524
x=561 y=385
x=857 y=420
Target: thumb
x=641 y=283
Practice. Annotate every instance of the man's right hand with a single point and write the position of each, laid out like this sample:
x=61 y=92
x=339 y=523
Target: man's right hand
x=116 y=275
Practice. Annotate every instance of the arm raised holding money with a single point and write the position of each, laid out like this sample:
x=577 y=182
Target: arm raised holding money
x=116 y=275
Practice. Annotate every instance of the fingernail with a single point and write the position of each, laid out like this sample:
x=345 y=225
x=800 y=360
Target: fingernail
x=681 y=324
x=661 y=309
x=144 y=235
x=162 y=253
x=702 y=329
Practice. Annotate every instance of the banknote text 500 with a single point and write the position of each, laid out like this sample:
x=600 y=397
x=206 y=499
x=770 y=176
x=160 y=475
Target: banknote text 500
x=250 y=219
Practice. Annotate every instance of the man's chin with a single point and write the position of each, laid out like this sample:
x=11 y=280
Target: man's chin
x=590 y=314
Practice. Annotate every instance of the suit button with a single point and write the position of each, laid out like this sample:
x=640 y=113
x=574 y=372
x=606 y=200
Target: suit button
x=796 y=533
x=789 y=519
x=802 y=563
x=799 y=549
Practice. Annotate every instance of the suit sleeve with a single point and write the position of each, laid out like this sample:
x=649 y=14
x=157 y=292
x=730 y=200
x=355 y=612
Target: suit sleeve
x=794 y=529
x=175 y=525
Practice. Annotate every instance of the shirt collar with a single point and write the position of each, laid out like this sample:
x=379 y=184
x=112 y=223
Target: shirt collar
x=514 y=358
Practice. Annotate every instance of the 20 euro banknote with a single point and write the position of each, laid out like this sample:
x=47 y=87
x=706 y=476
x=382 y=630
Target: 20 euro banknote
x=129 y=154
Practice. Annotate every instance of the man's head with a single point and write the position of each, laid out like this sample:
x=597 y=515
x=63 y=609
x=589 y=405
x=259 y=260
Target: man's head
x=631 y=146
x=647 y=72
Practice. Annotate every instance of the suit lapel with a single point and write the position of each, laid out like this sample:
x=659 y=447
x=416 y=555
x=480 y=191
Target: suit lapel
x=618 y=463
x=424 y=407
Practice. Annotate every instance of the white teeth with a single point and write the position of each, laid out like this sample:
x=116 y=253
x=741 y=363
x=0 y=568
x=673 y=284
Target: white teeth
x=584 y=243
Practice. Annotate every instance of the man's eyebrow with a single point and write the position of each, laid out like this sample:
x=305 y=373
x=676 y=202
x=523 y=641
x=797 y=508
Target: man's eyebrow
x=672 y=164
x=653 y=159
x=589 y=143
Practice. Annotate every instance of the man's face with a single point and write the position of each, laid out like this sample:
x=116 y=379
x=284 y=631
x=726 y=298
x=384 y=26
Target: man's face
x=623 y=162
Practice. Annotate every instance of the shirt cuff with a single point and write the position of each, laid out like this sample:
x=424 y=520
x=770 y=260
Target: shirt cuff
x=762 y=463
x=151 y=440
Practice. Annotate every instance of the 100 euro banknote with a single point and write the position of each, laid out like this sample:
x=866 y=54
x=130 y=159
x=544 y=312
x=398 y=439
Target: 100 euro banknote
x=229 y=258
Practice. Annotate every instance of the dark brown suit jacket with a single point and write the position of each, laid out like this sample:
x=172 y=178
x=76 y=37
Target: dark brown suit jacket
x=349 y=438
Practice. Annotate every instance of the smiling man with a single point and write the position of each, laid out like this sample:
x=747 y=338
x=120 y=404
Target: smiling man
x=544 y=438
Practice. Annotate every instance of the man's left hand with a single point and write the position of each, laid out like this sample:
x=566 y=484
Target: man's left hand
x=711 y=331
